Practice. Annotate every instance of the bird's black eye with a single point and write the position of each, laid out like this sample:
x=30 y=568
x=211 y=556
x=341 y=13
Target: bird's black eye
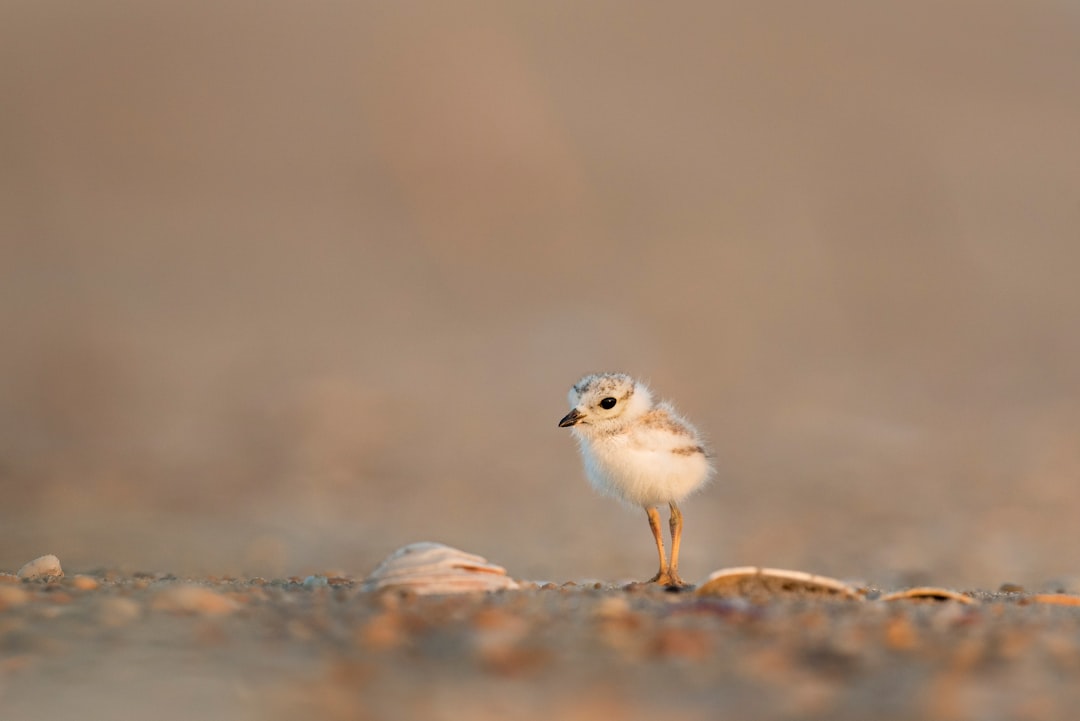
x=607 y=403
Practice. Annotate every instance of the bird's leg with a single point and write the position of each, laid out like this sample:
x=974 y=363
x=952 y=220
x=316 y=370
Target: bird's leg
x=662 y=576
x=676 y=537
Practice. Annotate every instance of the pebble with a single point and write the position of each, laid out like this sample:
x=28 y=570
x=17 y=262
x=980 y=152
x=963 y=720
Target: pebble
x=497 y=643
x=612 y=608
x=1062 y=585
x=681 y=643
x=85 y=583
x=900 y=633
x=383 y=631
x=42 y=568
x=316 y=582
x=116 y=612
x=12 y=596
x=299 y=631
x=193 y=599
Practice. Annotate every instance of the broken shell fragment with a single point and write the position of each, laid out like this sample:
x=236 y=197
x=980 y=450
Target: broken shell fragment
x=927 y=593
x=764 y=583
x=1054 y=599
x=427 y=567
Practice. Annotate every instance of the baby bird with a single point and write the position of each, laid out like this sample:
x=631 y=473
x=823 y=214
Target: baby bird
x=638 y=451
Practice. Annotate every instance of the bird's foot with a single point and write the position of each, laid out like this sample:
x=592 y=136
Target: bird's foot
x=669 y=578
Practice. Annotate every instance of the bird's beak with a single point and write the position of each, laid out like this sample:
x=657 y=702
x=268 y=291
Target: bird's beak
x=571 y=418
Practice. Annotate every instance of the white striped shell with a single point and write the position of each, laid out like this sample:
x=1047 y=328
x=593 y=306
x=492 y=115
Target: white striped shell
x=428 y=567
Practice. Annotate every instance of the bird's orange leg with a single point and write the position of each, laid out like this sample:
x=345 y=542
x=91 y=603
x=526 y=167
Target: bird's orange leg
x=676 y=538
x=662 y=576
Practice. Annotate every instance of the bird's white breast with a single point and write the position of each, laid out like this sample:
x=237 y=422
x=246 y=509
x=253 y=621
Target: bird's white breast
x=643 y=470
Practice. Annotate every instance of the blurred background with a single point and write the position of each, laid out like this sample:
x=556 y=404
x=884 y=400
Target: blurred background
x=284 y=286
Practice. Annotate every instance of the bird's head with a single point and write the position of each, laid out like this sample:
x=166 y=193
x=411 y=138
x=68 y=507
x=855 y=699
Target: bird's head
x=606 y=400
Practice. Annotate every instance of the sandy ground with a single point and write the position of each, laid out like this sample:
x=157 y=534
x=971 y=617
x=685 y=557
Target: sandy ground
x=109 y=646
x=282 y=292
x=286 y=295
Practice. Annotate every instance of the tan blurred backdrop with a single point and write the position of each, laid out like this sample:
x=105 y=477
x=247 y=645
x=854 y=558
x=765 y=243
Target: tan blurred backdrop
x=286 y=285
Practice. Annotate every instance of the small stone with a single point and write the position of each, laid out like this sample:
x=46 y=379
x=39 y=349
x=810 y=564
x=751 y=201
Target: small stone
x=191 y=599
x=612 y=608
x=16 y=663
x=210 y=633
x=316 y=582
x=498 y=643
x=383 y=631
x=85 y=583
x=50 y=612
x=681 y=643
x=299 y=631
x=12 y=596
x=1011 y=588
x=116 y=612
x=1069 y=584
x=900 y=633
x=498 y=619
x=45 y=567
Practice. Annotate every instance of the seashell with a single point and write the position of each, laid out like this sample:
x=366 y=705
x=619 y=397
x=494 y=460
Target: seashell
x=927 y=593
x=428 y=567
x=42 y=568
x=763 y=583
